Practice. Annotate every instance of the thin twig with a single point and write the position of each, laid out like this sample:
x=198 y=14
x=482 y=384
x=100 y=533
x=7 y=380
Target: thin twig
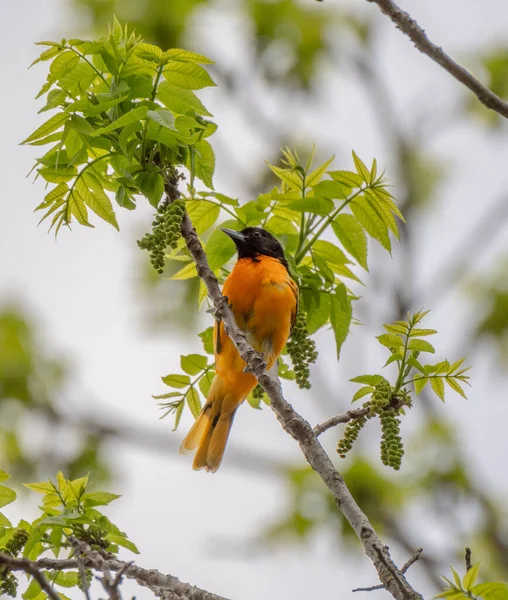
x=404 y=569
x=352 y=413
x=418 y=36
x=468 y=559
x=23 y=564
x=293 y=423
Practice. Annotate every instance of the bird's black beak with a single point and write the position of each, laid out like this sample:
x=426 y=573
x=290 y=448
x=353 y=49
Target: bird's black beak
x=236 y=236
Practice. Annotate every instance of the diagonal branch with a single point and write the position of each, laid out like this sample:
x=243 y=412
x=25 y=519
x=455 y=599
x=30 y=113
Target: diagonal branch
x=30 y=568
x=418 y=36
x=163 y=586
x=294 y=424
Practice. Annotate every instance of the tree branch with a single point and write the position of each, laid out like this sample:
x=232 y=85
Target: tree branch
x=409 y=563
x=23 y=564
x=353 y=413
x=390 y=576
x=418 y=36
x=163 y=586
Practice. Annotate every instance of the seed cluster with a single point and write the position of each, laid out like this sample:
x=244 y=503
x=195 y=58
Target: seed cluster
x=257 y=392
x=88 y=577
x=8 y=582
x=391 y=442
x=302 y=351
x=165 y=232
x=351 y=433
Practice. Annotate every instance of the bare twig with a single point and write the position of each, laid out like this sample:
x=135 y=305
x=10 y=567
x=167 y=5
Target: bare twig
x=294 y=424
x=418 y=36
x=468 y=559
x=353 y=413
x=404 y=569
x=23 y=564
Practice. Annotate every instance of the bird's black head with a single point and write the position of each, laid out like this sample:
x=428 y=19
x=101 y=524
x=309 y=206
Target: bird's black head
x=253 y=242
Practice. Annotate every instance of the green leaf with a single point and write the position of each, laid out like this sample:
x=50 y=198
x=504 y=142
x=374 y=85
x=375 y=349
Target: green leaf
x=205 y=382
x=318 y=313
x=361 y=169
x=456 y=577
x=47 y=54
x=193 y=401
x=390 y=340
x=455 y=385
x=178 y=414
x=188 y=272
x=4 y=476
x=437 y=384
x=43 y=487
x=491 y=590
x=371 y=221
x=121 y=540
x=92 y=192
x=32 y=591
x=136 y=114
x=382 y=210
x=416 y=364
x=6 y=496
x=193 y=364
x=421 y=346
x=397 y=329
x=151 y=185
x=203 y=214
x=52 y=124
x=98 y=498
x=330 y=253
x=220 y=248
x=76 y=207
x=316 y=206
x=189 y=76
x=185 y=56
x=162 y=117
x=204 y=162
x=470 y=577
x=166 y=396
x=180 y=101
x=369 y=379
x=315 y=176
x=363 y=391
x=348 y=178
x=4 y=521
x=176 y=381
x=288 y=176
x=352 y=236
x=396 y=356
x=340 y=316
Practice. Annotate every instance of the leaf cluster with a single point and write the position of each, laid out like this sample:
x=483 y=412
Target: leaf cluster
x=126 y=113
x=405 y=342
x=68 y=509
x=466 y=588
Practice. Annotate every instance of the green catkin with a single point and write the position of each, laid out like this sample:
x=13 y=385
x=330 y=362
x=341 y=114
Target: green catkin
x=351 y=433
x=257 y=392
x=391 y=441
x=8 y=581
x=302 y=351
x=165 y=232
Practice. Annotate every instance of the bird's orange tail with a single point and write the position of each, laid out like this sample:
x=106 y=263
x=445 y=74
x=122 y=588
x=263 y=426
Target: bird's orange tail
x=209 y=434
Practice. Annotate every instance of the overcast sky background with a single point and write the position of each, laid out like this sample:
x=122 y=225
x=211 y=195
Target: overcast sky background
x=81 y=289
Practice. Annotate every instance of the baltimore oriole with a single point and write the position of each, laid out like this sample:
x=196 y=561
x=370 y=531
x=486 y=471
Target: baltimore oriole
x=264 y=301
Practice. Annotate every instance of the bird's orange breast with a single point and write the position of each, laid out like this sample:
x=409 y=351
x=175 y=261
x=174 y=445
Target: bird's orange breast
x=263 y=298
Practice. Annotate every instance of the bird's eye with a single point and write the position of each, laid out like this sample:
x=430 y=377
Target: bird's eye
x=256 y=233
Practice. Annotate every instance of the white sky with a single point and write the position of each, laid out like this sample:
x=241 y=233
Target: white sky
x=82 y=289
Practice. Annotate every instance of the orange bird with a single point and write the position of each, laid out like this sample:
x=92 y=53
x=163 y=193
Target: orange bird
x=264 y=301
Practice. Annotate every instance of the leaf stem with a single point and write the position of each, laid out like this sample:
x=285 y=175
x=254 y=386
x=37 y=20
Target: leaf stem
x=299 y=256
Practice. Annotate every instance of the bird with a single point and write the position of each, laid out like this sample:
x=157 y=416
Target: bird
x=264 y=300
